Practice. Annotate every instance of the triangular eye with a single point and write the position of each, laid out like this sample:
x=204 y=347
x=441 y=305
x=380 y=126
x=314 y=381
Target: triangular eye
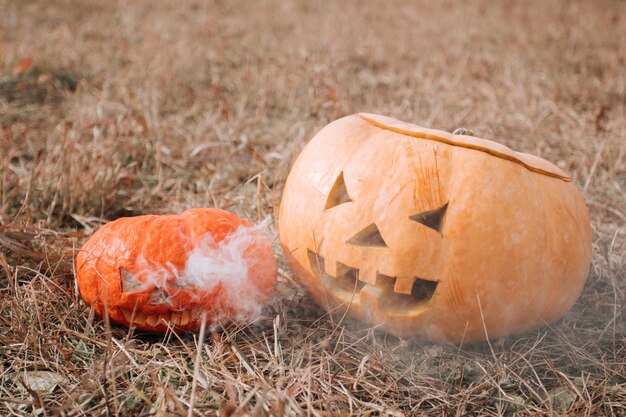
x=130 y=283
x=159 y=297
x=432 y=218
x=369 y=236
x=338 y=194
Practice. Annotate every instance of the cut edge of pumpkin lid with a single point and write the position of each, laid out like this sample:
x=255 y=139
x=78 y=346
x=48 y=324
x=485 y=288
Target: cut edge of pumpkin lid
x=530 y=162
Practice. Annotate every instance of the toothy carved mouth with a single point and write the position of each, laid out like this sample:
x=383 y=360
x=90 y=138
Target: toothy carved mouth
x=173 y=318
x=394 y=296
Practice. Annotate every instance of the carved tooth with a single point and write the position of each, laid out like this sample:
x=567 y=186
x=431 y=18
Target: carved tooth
x=175 y=318
x=368 y=275
x=196 y=313
x=164 y=318
x=334 y=268
x=185 y=318
x=152 y=320
x=127 y=315
x=140 y=318
x=316 y=262
x=404 y=285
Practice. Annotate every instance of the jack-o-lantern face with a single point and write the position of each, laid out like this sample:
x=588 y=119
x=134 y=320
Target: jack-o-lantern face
x=430 y=234
x=160 y=272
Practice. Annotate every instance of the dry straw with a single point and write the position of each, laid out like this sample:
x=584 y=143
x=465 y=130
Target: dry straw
x=150 y=107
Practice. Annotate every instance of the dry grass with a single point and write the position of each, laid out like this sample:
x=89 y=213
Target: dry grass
x=143 y=107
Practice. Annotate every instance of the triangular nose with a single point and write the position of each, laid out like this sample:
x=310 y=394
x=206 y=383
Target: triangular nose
x=369 y=236
x=159 y=297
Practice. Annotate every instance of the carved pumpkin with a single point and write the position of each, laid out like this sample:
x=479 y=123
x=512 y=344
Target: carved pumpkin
x=156 y=272
x=433 y=235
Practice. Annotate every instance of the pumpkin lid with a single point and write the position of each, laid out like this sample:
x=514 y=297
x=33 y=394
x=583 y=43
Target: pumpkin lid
x=531 y=162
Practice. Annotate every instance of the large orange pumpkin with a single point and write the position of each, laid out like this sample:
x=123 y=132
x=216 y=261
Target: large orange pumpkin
x=433 y=235
x=160 y=272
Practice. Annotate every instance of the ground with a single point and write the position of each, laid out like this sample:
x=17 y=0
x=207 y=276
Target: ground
x=113 y=108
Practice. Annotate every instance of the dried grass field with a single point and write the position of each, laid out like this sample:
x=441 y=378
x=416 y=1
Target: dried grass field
x=115 y=108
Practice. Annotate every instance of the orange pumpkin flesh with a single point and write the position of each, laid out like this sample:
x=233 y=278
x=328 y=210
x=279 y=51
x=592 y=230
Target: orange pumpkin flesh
x=160 y=272
x=433 y=235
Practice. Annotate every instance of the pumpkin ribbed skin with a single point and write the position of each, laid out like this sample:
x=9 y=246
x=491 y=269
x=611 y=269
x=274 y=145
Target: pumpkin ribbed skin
x=432 y=235
x=154 y=249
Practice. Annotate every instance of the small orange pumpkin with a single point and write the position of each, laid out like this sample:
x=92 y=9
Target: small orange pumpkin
x=433 y=235
x=160 y=272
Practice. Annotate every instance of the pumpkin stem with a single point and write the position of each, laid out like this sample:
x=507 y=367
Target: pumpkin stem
x=463 y=131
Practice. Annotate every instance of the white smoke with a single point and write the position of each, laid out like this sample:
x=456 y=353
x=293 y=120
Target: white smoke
x=227 y=262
